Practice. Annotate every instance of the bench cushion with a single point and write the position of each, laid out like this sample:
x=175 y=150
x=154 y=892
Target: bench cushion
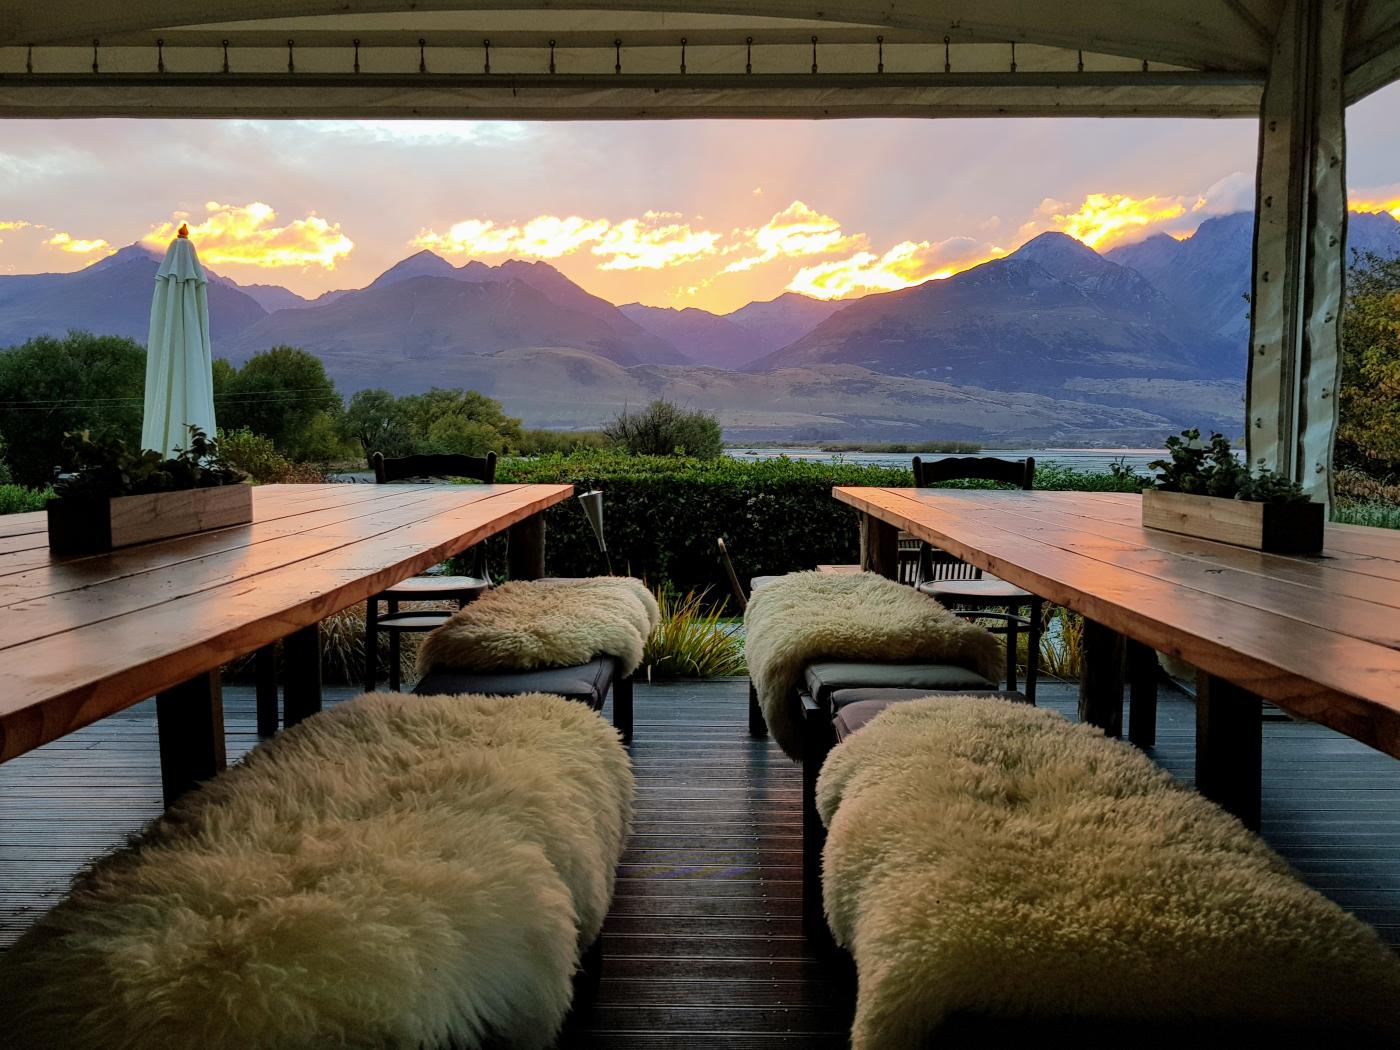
x=828 y=678
x=394 y=872
x=990 y=858
x=860 y=706
x=588 y=683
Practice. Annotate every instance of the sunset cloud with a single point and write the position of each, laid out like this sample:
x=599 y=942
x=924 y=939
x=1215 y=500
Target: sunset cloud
x=903 y=266
x=12 y=224
x=66 y=243
x=1384 y=199
x=653 y=241
x=795 y=232
x=250 y=235
x=1104 y=219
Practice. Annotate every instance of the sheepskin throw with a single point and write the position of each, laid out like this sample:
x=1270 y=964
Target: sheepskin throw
x=395 y=872
x=804 y=617
x=522 y=626
x=992 y=859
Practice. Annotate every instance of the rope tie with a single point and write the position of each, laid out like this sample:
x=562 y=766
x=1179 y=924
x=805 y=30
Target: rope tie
x=29 y=60
x=225 y=46
x=551 y=56
x=617 y=52
x=1013 y=56
x=880 y=63
x=947 y=56
x=357 y=54
x=291 y=59
x=683 y=54
x=1081 y=60
x=422 y=55
x=94 y=56
x=748 y=54
x=814 y=54
x=486 y=47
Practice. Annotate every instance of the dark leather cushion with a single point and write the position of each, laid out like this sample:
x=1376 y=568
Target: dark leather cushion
x=825 y=679
x=588 y=682
x=857 y=714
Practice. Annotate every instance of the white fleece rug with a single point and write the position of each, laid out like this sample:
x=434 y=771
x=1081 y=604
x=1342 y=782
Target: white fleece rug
x=804 y=617
x=522 y=626
x=991 y=857
x=396 y=872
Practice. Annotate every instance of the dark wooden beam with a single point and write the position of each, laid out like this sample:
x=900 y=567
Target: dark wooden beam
x=1142 y=693
x=190 y=727
x=1229 y=746
x=265 y=674
x=1101 y=678
x=301 y=675
x=525 y=557
x=879 y=547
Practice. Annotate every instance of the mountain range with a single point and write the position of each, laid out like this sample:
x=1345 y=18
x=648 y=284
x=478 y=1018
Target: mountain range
x=1054 y=342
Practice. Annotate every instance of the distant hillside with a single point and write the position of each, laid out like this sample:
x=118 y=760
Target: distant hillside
x=111 y=297
x=785 y=319
x=701 y=337
x=1208 y=273
x=1052 y=313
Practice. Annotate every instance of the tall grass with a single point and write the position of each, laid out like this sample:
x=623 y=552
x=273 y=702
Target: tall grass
x=692 y=641
x=16 y=499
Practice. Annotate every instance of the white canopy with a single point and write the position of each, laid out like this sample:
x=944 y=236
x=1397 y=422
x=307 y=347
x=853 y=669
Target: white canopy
x=179 y=365
x=579 y=59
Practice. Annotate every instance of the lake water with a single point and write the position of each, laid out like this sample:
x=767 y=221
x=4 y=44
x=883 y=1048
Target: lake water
x=1092 y=460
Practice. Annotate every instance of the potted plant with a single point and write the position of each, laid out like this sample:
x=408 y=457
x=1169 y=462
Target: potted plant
x=114 y=497
x=1206 y=491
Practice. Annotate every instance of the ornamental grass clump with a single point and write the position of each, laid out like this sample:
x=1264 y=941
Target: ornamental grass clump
x=692 y=641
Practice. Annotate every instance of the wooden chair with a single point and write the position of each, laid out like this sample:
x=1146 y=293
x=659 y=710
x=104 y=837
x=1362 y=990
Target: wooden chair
x=955 y=583
x=430 y=587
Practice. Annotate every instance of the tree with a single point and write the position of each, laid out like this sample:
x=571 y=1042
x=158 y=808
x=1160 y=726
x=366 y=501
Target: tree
x=51 y=386
x=283 y=394
x=441 y=420
x=1368 y=435
x=377 y=421
x=665 y=429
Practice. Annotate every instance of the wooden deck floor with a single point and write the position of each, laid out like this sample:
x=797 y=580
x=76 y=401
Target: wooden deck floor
x=703 y=943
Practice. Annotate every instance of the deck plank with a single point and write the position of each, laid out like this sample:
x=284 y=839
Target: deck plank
x=703 y=943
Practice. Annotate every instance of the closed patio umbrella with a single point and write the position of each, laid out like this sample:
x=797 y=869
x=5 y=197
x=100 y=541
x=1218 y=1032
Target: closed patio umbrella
x=179 y=368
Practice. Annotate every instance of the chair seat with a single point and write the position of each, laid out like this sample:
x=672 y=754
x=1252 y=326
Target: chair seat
x=588 y=683
x=856 y=715
x=416 y=620
x=423 y=588
x=988 y=588
x=824 y=680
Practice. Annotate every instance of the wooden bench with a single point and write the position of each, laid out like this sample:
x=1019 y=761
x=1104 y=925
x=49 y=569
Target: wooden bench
x=397 y=871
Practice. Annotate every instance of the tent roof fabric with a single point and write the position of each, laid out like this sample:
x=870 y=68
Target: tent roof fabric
x=571 y=59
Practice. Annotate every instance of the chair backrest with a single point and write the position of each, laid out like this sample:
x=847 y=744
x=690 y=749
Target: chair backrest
x=734 y=585
x=444 y=465
x=1018 y=472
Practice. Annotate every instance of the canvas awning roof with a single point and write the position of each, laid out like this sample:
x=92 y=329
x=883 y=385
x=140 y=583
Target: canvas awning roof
x=658 y=58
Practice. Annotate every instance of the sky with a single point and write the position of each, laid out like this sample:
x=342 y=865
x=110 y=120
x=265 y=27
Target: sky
x=713 y=214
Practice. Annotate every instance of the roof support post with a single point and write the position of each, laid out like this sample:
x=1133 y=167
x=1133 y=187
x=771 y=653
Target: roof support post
x=1299 y=248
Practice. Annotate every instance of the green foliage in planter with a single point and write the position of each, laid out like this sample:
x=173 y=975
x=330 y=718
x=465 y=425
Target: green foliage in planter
x=1214 y=470
x=692 y=639
x=103 y=467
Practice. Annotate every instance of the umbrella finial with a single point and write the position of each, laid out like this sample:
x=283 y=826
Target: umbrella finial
x=184 y=230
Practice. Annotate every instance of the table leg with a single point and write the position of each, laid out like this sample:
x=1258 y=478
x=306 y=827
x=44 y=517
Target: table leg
x=265 y=674
x=1229 y=747
x=1142 y=694
x=879 y=547
x=525 y=555
x=301 y=675
x=190 y=727
x=1101 y=678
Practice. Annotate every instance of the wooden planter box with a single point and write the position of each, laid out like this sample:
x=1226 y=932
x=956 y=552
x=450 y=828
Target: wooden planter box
x=85 y=526
x=1280 y=528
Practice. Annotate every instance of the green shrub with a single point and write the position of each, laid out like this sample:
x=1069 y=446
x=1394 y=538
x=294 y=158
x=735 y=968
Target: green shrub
x=665 y=429
x=253 y=454
x=692 y=640
x=16 y=499
x=546 y=442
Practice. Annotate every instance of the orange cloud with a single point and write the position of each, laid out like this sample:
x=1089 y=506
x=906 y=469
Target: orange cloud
x=1389 y=205
x=66 y=243
x=249 y=235
x=652 y=242
x=903 y=266
x=795 y=232
x=12 y=224
x=1104 y=219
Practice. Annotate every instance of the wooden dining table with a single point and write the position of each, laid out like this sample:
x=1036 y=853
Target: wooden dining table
x=84 y=637
x=1315 y=635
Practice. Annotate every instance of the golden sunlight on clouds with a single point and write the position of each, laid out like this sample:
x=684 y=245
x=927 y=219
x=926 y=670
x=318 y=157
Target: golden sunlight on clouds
x=1104 y=219
x=1389 y=206
x=66 y=243
x=794 y=233
x=652 y=242
x=249 y=235
x=12 y=224
x=903 y=266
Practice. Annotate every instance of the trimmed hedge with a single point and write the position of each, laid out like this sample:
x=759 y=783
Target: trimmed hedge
x=662 y=514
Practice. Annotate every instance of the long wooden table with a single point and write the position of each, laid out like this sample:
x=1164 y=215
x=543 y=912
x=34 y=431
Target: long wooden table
x=83 y=637
x=1319 y=636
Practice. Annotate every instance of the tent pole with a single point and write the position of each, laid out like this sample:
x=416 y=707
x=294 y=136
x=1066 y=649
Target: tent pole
x=1299 y=248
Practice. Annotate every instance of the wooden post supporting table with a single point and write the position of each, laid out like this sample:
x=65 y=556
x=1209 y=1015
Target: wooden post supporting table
x=1142 y=693
x=879 y=547
x=1101 y=678
x=525 y=557
x=1229 y=747
x=301 y=674
x=190 y=728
